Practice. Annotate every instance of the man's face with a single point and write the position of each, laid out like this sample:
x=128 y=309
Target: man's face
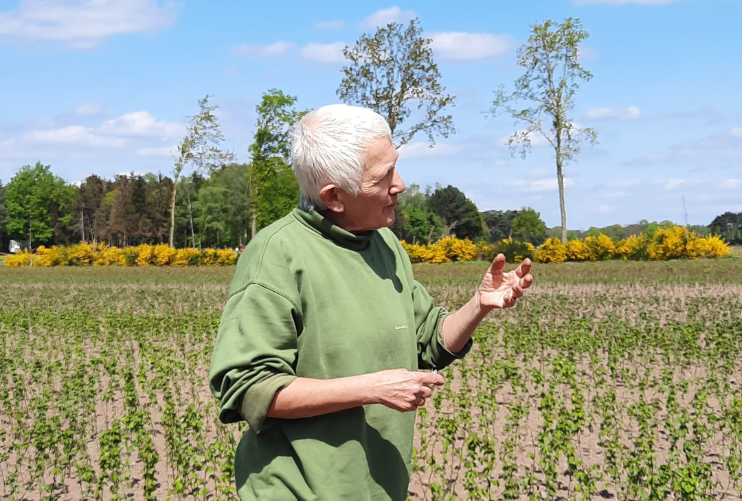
x=374 y=206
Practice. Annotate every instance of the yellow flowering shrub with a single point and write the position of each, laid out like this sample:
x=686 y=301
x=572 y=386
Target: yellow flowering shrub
x=130 y=256
x=551 y=251
x=456 y=249
x=226 y=257
x=209 y=257
x=601 y=247
x=54 y=256
x=145 y=255
x=715 y=247
x=634 y=248
x=18 y=259
x=109 y=256
x=577 y=250
x=187 y=257
x=164 y=255
x=445 y=250
x=668 y=243
x=80 y=255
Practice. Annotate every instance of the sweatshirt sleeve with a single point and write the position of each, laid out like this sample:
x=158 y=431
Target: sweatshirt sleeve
x=431 y=352
x=254 y=354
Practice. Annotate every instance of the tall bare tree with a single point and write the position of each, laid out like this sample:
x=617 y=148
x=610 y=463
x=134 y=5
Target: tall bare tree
x=551 y=59
x=199 y=150
x=393 y=72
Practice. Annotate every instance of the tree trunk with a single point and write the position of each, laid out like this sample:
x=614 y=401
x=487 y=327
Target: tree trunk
x=172 y=213
x=254 y=223
x=190 y=216
x=560 y=181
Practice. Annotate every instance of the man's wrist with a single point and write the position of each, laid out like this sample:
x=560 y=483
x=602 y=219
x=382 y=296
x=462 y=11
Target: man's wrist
x=481 y=310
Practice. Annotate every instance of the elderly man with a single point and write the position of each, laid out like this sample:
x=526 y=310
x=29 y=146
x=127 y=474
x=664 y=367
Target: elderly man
x=325 y=328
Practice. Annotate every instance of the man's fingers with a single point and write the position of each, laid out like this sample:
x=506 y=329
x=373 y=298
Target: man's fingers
x=524 y=268
x=498 y=264
x=517 y=292
x=526 y=281
x=429 y=379
x=426 y=392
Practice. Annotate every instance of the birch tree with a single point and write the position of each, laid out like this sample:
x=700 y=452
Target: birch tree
x=544 y=96
x=199 y=150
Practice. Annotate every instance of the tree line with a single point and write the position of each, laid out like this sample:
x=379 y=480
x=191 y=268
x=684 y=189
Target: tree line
x=222 y=210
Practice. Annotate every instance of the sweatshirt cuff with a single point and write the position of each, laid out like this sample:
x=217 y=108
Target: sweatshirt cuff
x=443 y=356
x=257 y=399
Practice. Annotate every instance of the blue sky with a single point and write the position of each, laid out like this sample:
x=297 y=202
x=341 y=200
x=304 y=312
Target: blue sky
x=104 y=86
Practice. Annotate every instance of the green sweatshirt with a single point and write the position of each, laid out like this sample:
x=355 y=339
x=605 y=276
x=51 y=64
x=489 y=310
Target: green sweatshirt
x=309 y=299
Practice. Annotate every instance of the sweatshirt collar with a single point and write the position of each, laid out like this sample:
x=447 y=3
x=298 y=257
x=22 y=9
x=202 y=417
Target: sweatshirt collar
x=318 y=223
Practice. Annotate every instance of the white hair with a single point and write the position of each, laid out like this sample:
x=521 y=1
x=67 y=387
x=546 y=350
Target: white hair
x=328 y=146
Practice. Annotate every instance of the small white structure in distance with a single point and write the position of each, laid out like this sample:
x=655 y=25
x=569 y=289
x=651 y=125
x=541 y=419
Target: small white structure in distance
x=14 y=247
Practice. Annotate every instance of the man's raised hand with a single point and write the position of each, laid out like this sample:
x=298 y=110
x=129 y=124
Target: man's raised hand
x=500 y=289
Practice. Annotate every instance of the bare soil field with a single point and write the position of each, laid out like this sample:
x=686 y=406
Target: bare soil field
x=608 y=381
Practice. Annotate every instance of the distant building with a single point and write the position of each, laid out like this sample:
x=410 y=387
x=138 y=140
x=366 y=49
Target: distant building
x=14 y=247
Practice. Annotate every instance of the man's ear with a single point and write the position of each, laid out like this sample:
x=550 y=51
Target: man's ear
x=330 y=198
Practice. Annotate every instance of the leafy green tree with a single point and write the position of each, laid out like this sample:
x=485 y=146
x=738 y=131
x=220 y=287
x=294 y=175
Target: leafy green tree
x=273 y=187
x=213 y=200
x=186 y=211
x=393 y=72
x=199 y=149
x=222 y=208
x=728 y=226
x=556 y=232
x=528 y=226
x=499 y=223
x=548 y=86
x=87 y=204
x=457 y=212
x=124 y=220
x=414 y=222
x=3 y=219
x=38 y=205
x=615 y=232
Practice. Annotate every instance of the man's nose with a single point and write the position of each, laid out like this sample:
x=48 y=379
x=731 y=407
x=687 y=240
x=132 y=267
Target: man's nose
x=398 y=185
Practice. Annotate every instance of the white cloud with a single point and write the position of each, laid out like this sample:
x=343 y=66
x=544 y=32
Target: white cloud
x=549 y=184
x=460 y=46
x=167 y=151
x=736 y=132
x=731 y=184
x=674 y=183
x=324 y=53
x=84 y=24
x=72 y=135
x=606 y=208
x=417 y=150
x=88 y=109
x=630 y=113
x=140 y=123
x=538 y=185
x=276 y=49
x=623 y=2
x=386 y=16
x=337 y=24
